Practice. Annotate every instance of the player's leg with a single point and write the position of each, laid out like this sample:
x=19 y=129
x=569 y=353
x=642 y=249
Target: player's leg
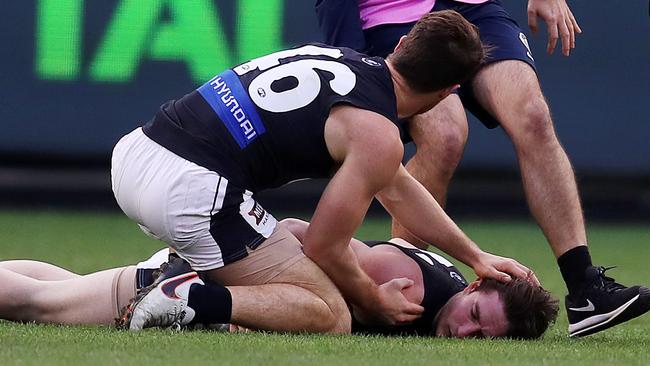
x=510 y=91
x=507 y=92
x=439 y=136
x=38 y=270
x=277 y=288
x=274 y=288
x=89 y=299
x=301 y=299
x=218 y=228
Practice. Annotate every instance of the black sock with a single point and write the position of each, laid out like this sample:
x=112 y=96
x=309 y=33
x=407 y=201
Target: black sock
x=573 y=265
x=211 y=302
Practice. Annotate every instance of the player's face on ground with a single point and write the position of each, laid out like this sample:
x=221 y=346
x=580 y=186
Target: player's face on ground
x=472 y=313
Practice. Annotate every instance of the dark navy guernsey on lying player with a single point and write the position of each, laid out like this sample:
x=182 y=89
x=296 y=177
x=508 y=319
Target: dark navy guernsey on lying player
x=261 y=124
x=441 y=280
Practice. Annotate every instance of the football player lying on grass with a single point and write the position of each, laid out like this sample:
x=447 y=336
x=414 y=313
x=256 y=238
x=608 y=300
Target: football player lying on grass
x=43 y=293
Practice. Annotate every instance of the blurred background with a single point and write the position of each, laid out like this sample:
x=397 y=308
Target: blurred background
x=77 y=75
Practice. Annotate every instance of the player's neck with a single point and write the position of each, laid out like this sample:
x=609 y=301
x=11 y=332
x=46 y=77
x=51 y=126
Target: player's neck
x=402 y=91
x=409 y=101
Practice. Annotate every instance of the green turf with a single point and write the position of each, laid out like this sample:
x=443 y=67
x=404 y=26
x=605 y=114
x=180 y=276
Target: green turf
x=85 y=242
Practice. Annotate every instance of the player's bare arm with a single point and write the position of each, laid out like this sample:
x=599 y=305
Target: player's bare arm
x=368 y=148
x=413 y=206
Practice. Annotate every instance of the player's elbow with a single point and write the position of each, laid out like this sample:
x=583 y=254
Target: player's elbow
x=317 y=253
x=392 y=149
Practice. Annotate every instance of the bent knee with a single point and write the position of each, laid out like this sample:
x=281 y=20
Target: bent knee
x=443 y=141
x=329 y=312
x=329 y=319
x=340 y=319
x=534 y=126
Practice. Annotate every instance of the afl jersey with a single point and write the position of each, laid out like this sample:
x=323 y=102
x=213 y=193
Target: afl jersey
x=261 y=124
x=442 y=280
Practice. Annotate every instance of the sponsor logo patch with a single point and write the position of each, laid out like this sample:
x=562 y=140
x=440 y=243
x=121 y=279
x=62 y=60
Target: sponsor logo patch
x=524 y=41
x=257 y=212
x=231 y=103
x=371 y=62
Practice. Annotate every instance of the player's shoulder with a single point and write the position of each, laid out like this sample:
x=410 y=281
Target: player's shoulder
x=421 y=255
x=362 y=62
x=402 y=243
x=352 y=129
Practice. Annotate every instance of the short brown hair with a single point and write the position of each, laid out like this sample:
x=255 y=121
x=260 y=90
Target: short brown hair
x=529 y=309
x=442 y=49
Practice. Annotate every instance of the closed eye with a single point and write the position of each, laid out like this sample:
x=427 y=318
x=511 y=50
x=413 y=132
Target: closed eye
x=474 y=312
x=476 y=317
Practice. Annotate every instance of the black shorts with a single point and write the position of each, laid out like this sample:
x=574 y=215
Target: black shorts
x=497 y=29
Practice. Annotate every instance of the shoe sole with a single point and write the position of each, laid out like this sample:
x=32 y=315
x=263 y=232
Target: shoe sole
x=600 y=322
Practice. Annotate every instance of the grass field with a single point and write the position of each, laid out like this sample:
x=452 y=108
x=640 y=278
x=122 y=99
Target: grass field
x=86 y=242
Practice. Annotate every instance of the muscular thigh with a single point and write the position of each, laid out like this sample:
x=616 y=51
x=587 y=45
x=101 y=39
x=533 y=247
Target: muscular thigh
x=306 y=274
x=38 y=270
x=278 y=260
x=500 y=32
x=506 y=89
x=445 y=121
x=262 y=264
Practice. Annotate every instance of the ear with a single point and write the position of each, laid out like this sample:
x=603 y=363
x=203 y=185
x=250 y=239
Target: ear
x=473 y=286
x=449 y=90
x=399 y=44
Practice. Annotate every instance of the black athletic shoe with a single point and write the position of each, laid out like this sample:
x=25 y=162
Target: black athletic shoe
x=604 y=303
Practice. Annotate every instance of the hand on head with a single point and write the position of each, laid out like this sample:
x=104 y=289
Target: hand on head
x=503 y=269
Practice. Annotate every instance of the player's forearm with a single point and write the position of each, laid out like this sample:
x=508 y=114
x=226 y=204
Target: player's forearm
x=326 y=242
x=339 y=213
x=414 y=207
x=343 y=269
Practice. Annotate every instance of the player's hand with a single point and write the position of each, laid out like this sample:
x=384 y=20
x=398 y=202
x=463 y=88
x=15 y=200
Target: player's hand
x=392 y=307
x=503 y=269
x=560 y=23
